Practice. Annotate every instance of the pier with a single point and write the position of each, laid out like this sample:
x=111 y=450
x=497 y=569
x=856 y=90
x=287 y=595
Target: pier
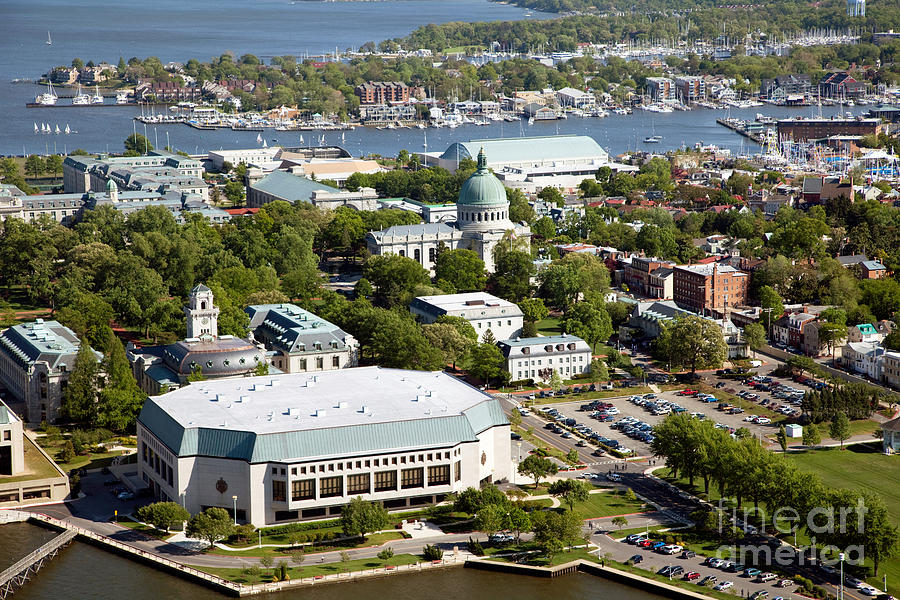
x=15 y=576
x=741 y=127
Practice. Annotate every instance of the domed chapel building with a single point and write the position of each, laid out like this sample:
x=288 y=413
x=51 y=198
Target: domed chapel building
x=482 y=221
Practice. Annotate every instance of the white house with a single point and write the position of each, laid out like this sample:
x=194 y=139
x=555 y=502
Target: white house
x=568 y=355
x=485 y=312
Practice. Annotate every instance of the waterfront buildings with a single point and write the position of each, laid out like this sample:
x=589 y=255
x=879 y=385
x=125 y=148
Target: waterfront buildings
x=298 y=341
x=690 y=88
x=712 y=287
x=660 y=89
x=802 y=129
x=576 y=98
x=300 y=446
x=36 y=359
x=150 y=172
x=485 y=312
x=382 y=92
x=482 y=221
x=533 y=358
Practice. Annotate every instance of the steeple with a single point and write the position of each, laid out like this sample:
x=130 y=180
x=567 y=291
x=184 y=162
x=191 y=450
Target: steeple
x=202 y=315
x=482 y=160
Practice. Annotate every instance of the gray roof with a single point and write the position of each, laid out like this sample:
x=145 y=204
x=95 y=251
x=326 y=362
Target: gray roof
x=41 y=341
x=538 y=345
x=291 y=188
x=468 y=305
x=225 y=355
x=853 y=259
x=873 y=265
x=415 y=230
x=311 y=416
x=294 y=330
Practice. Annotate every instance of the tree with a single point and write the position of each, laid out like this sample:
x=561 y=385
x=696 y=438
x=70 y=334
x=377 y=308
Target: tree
x=120 y=399
x=432 y=552
x=781 y=437
x=560 y=284
x=589 y=323
x=512 y=274
x=163 y=515
x=461 y=268
x=840 y=428
x=755 y=334
x=537 y=467
x=196 y=374
x=385 y=555
x=68 y=452
x=544 y=228
x=267 y=560
x=138 y=143
x=832 y=335
x=694 y=340
x=212 y=525
x=394 y=278
x=34 y=165
x=570 y=491
x=620 y=522
x=599 y=371
x=298 y=556
x=533 y=309
x=486 y=362
x=359 y=517
x=79 y=401
x=811 y=435
x=234 y=192
x=554 y=531
x=770 y=302
x=519 y=521
x=363 y=288
x=551 y=195
x=555 y=380
x=453 y=345
x=490 y=519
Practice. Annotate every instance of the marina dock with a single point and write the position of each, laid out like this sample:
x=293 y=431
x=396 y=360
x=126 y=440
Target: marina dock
x=757 y=134
x=15 y=576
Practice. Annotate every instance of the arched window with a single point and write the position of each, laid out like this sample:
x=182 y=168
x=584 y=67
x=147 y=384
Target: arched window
x=203 y=305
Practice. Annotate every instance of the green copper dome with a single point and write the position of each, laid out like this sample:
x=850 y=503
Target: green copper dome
x=482 y=188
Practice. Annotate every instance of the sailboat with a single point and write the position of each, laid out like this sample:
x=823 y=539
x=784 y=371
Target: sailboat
x=265 y=144
x=48 y=98
x=49 y=41
x=36 y=128
x=259 y=138
x=301 y=138
x=96 y=98
x=57 y=129
x=67 y=130
x=81 y=99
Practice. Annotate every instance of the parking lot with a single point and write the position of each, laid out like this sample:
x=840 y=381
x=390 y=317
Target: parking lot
x=643 y=416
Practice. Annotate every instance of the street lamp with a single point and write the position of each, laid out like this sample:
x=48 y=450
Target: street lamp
x=519 y=446
x=234 y=500
x=841 y=594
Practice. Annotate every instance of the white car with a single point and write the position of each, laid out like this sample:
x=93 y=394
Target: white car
x=763 y=420
x=868 y=590
x=524 y=412
x=724 y=585
x=854 y=582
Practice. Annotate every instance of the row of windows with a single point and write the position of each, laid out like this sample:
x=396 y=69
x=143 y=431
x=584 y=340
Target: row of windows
x=320 y=363
x=153 y=460
x=525 y=363
x=366 y=463
x=534 y=373
x=499 y=323
x=385 y=481
x=474 y=217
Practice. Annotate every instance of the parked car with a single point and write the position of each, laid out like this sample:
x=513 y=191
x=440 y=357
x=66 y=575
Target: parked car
x=709 y=579
x=724 y=586
x=759 y=595
x=767 y=577
x=636 y=559
x=691 y=576
x=688 y=554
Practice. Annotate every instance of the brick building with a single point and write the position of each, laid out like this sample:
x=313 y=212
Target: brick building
x=710 y=287
x=816 y=129
x=382 y=92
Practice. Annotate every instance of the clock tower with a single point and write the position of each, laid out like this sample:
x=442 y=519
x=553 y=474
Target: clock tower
x=202 y=314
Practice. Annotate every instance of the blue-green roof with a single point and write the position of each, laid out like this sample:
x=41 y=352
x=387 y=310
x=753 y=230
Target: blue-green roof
x=291 y=188
x=254 y=419
x=529 y=150
x=867 y=329
x=482 y=188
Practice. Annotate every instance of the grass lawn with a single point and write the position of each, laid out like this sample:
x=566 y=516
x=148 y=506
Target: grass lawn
x=375 y=539
x=145 y=529
x=860 y=466
x=859 y=427
x=362 y=564
x=542 y=561
x=37 y=466
x=549 y=326
x=606 y=504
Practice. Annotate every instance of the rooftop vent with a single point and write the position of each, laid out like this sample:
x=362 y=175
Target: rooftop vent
x=474 y=302
x=364 y=409
x=293 y=412
x=341 y=405
x=244 y=399
x=320 y=412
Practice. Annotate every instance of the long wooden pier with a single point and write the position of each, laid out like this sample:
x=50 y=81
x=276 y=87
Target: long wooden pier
x=15 y=576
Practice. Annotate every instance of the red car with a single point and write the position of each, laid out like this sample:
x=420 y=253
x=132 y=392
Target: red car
x=687 y=392
x=691 y=576
x=647 y=543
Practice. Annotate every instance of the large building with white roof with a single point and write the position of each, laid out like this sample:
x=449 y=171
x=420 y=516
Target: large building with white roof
x=300 y=446
x=35 y=361
x=504 y=319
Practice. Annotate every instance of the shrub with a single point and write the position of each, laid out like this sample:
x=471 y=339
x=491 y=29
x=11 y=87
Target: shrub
x=386 y=554
x=475 y=547
x=431 y=552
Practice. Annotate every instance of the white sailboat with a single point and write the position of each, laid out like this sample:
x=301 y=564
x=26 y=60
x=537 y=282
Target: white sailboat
x=57 y=129
x=96 y=98
x=36 y=128
x=301 y=138
x=48 y=98
x=81 y=99
x=49 y=41
x=265 y=144
x=259 y=138
x=67 y=130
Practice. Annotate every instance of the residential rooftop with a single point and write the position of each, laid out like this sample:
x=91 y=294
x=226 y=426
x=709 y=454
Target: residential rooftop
x=470 y=301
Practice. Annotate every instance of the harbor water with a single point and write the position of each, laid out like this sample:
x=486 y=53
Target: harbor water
x=83 y=571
